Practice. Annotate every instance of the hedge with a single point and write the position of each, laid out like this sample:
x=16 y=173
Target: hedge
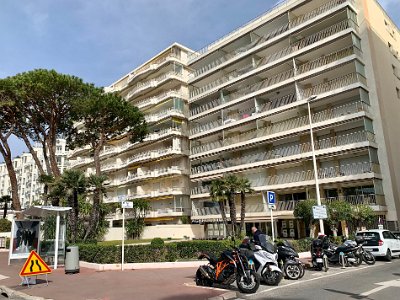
x=147 y=253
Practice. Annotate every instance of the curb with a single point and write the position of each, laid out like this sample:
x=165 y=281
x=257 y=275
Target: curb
x=7 y=293
x=141 y=266
x=225 y=296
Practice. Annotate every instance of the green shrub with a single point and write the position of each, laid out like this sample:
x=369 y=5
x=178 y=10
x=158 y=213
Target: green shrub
x=303 y=245
x=157 y=243
x=5 y=225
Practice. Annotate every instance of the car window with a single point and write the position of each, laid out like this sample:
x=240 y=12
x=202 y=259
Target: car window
x=387 y=235
x=392 y=236
x=396 y=234
x=369 y=235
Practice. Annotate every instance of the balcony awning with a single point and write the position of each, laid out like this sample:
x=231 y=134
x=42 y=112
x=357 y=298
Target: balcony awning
x=44 y=211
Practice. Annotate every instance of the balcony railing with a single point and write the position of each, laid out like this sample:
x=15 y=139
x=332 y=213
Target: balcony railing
x=160 y=97
x=163 y=114
x=299 y=177
x=368 y=199
x=80 y=162
x=178 y=211
x=152 y=83
x=151 y=66
x=286 y=151
x=151 y=154
x=268 y=36
x=307 y=41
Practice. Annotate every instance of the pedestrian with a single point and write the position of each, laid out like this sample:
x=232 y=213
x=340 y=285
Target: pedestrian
x=256 y=235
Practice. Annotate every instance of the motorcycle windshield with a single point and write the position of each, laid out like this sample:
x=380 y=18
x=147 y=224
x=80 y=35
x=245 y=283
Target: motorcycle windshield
x=266 y=244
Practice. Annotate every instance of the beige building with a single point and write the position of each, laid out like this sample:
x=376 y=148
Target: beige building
x=29 y=189
x=248 y=111
x=156 y=169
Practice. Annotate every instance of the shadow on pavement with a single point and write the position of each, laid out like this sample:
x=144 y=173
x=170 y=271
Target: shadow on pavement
x=352 y=295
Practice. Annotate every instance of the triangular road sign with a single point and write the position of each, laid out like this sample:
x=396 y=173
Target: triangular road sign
x=34 y=265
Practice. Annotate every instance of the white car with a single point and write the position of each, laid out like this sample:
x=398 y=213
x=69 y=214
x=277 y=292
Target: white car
x=381 y=242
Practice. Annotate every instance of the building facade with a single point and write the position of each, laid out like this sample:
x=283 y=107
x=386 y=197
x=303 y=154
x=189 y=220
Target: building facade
x=29 y=189
x=248 y=100
x=156 y=169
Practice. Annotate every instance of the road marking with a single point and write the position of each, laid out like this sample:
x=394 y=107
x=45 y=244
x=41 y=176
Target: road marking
x=205 y=287
x=3 y=277
x=383 y=285
x=308 y=280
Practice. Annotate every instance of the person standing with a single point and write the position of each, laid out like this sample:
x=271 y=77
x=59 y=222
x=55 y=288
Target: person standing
x=256 y=235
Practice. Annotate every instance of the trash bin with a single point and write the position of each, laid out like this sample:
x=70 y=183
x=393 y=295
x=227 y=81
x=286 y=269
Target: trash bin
x=72 y=260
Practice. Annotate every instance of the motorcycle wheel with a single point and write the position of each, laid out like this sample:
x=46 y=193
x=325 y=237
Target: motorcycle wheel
x=293 y=271
x=201 y=280
x=303 y=271
x=273 y=278
x=249 y=284
x=356 y=263
x=368 y=258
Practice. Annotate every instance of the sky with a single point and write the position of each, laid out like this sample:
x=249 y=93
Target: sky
x=102 y=40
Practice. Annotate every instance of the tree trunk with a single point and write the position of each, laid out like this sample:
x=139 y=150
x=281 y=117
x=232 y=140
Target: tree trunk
x=232 y=212
x=223 y=215
x=5 y=209
x=6 y=152
x=46 y=158
x=53 y=159
x=34 y=154
x=242 y=211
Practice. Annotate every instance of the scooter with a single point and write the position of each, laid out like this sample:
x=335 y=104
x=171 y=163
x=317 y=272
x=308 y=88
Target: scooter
x=266 y=261
x=318 y=257
x=289 y=262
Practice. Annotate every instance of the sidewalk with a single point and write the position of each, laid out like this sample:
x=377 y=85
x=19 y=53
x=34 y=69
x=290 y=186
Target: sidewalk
x=160 y=284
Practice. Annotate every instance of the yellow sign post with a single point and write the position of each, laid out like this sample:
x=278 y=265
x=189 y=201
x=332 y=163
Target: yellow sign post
x=34 y=266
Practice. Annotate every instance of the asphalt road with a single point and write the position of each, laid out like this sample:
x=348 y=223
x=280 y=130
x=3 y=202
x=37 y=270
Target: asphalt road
x=380 y=281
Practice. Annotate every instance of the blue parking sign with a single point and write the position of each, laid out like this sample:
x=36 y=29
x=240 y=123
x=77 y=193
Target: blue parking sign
x=271 y=198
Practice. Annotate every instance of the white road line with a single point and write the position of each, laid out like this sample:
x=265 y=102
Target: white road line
x=308 y=280
x=205 y=287
x=3 y=277
x=374 y=290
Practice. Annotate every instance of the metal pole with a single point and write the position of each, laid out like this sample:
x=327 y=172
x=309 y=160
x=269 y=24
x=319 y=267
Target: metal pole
x=123 y=239
x=321 y=222
x=272 y=225
x=56 y=242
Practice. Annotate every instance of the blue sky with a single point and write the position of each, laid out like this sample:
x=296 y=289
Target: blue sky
x=101 y=40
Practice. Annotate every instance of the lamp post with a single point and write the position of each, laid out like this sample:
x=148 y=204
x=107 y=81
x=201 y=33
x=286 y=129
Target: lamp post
x=321 y=222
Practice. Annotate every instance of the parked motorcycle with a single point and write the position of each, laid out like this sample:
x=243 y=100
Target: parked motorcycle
x=367 y=256
x=265 y=259
x=289 y=262
x=231 y=266
x=319 y=259
x=349 y=253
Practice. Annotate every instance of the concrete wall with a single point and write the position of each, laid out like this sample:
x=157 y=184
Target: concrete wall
x=163 y=231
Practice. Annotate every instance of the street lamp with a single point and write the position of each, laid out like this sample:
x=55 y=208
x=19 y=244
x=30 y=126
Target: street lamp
x=321 y=222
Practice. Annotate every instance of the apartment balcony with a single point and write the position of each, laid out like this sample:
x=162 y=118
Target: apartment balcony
x=161 y=193
x=80 y=162
x=171 y=112
x=168 y=212
x=281 y=206
x=152 y=66
x=78 y=151
x=159 y=98
x=288 y=127
x=273 y=59
x=269 y=37
x=153 y=155
x=143 y=86
x=284 y=154
x=146 y=175
x=344 y=172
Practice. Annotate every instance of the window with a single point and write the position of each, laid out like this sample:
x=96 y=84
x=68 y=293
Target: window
x=398 y=92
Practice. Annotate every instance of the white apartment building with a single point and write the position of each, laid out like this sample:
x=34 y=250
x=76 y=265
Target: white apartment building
x=156 y=169
x=29 y=189
x=248 y=112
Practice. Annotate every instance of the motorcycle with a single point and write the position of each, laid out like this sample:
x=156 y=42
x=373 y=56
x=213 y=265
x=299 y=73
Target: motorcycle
x=265 y=259
x=349 y=250
x=289 y=262
x=318 y=257
x=367 y=256
x=231 y=266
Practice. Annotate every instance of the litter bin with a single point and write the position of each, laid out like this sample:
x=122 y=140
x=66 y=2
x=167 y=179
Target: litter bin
x=72 y=260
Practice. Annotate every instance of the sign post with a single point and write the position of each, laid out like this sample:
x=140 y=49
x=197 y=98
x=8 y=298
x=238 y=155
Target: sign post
x=319 y=212
x=124 y=204
x=271 y=200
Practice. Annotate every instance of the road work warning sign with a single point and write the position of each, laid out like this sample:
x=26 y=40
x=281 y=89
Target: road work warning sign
x=34 y=265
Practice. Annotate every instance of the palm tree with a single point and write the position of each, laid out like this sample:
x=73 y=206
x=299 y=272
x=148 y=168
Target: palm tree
x=5 y=199
x=243 y=186
x=73 y=183
x=218 y=194
x=231 y=187
x=47 y=181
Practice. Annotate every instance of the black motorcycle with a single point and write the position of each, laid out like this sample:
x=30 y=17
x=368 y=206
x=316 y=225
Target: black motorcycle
x=366 y=255
x=289 y=262
x=318 y=257
x=230 y=266
x=349 y=254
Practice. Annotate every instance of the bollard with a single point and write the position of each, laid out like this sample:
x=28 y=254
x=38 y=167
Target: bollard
x=342 y=261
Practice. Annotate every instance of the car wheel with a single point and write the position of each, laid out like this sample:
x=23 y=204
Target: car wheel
x=388 y=255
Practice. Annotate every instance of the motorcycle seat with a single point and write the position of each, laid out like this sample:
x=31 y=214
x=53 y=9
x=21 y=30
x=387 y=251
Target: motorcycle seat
x=343 y=249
